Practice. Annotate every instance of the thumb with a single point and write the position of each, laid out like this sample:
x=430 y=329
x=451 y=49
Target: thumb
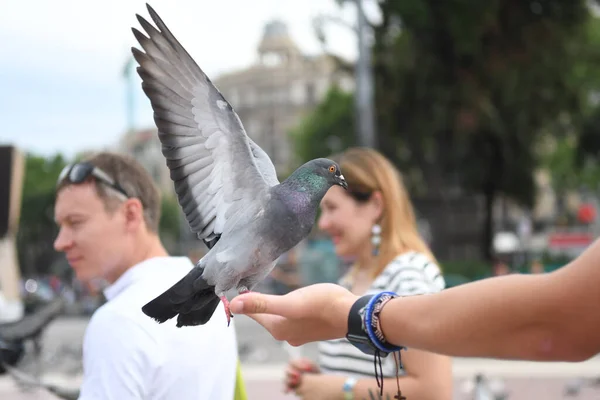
x=258 y=303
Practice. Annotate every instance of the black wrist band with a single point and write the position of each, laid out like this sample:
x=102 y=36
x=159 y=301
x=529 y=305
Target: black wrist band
x=356 y=330
x=360 y=335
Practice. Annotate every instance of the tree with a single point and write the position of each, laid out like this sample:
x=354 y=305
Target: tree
x=587 y=152
x=467 y=91
x=572 y=153
x=170 y=222
x=568 y=171
x=329 y=128
x=469 y=87
x=37 y=229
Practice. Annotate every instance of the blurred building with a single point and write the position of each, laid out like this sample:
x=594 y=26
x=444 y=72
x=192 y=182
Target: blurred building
x=144 y=146
x=272 y=95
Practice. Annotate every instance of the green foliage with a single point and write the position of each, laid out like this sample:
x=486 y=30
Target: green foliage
x=585 y=153
x=574 y=159
x=328 y=129
x=465 y=91
x=554 y=261
x=482 y=79
x=467 y=269
x=41 y=173
x=570 y=170
x=37 y=229
x=170 y=222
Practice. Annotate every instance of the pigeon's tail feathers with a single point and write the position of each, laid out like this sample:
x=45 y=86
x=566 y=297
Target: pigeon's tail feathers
x=192 y=298
x=204 y=305
x=160 y=309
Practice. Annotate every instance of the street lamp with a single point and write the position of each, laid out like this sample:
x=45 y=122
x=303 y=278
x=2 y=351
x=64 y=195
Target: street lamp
x=129 y=92
x=362 y=71
x=364 y=83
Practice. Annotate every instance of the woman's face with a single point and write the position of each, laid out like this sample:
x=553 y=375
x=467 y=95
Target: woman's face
x=347 y=221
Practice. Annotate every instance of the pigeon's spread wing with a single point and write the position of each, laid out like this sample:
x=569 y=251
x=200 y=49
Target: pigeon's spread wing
x=216 y=168
x=265 y=166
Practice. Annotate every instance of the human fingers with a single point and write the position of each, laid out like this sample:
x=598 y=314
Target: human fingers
x=292 y=377
x=293 y=374
x=275 y=324
x=303 y=364
x=292 y=380
x=295 y=304
x=258 y=303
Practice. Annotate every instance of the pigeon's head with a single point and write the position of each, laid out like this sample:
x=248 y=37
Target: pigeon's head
x=330 y=170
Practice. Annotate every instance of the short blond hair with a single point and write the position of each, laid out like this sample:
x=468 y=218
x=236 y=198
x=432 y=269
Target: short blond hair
x=133 y=178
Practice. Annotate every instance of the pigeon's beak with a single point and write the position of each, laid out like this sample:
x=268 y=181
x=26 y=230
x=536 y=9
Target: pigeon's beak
x=339 y=179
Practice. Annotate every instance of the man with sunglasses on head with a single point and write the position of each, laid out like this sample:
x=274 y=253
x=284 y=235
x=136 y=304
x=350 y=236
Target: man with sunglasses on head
x=108 y=210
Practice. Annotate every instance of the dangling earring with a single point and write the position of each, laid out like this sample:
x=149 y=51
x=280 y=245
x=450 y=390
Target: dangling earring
x=376 y=238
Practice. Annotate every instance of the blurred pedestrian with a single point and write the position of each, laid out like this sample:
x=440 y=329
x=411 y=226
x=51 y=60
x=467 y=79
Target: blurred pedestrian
x=108 y=212
x=373 y=223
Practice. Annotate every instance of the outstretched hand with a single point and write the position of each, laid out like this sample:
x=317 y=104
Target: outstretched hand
x=309 y=314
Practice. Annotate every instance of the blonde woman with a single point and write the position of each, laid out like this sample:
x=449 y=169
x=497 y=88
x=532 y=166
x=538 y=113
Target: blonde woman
x=373 y=222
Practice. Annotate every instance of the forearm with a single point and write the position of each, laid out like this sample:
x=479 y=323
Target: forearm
x=514 y=317
x=410 y=386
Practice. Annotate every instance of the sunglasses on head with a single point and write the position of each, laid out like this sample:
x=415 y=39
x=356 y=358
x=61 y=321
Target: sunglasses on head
x=80 y=172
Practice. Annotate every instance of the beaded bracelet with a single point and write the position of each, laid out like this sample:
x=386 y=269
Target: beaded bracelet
x=372 y=325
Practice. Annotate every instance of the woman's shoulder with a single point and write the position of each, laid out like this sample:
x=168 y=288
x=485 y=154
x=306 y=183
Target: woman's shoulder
x=411 y=259
x=414 y=269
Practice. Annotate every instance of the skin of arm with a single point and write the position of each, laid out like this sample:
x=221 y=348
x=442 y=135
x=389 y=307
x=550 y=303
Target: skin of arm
x=542 y=317
x=549 y=317
x=428 y=378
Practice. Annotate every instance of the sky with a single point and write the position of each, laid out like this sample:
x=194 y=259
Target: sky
x=62 y=87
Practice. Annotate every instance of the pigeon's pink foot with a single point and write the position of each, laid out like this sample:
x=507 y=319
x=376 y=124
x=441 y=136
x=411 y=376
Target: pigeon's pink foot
x=228 y=313
x=243 y=290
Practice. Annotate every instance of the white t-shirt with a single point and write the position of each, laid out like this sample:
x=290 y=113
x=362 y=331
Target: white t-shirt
x=408 y=274
x=128 y=355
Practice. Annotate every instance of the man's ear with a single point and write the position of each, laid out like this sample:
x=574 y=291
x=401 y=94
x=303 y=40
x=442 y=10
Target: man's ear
x=134 y=213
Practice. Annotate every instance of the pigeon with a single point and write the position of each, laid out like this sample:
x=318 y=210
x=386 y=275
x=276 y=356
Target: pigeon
x=226 y=185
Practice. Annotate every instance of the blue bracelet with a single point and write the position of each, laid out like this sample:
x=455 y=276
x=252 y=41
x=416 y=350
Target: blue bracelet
x=369 y=320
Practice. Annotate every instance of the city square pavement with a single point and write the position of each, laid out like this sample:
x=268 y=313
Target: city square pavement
x=263 y=362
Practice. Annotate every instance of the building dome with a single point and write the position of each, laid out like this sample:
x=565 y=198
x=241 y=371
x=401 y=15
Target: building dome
x=277 y=40
x=275 y=29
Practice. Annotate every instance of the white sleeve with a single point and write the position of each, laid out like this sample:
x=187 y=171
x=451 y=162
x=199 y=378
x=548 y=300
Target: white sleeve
x=118 y=359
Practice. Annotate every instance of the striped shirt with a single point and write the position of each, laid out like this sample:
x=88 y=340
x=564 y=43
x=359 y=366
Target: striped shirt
x=408 y=274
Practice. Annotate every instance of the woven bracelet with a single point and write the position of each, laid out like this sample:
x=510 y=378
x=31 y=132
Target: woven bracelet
x=372 y=324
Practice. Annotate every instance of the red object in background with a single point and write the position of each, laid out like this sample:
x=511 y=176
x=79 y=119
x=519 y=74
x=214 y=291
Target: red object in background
x=570 y=240
x=586 y=213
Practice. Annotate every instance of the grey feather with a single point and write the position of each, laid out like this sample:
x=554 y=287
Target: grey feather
x=187 y=104
x=225 y=183
x=265 y=166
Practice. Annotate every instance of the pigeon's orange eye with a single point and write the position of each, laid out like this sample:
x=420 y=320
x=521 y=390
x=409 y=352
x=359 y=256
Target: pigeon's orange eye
x=332 y=168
